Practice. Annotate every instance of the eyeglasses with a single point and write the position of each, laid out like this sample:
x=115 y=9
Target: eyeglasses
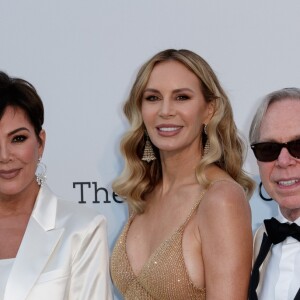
x=269 y=151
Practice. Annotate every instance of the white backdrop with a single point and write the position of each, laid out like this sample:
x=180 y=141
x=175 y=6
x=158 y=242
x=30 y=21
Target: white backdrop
x=82 y=57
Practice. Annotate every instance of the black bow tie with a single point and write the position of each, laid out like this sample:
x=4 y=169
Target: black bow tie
x=278 y=232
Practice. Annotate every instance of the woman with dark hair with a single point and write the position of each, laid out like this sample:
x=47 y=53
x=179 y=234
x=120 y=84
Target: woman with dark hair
x=49 y=248
x=189 y=234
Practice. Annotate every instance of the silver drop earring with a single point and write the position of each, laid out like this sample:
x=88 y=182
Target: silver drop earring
x=41 y=173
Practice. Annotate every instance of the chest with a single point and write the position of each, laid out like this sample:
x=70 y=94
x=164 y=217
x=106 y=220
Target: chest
x=12 y=229
x=165 y=272
x=149 y=234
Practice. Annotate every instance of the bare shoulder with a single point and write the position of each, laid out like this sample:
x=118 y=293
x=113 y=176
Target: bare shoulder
x=226 y=187
x=225 y=199
x=224 y=191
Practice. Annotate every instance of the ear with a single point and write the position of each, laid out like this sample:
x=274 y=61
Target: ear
x=42 y=141
x=210 y=111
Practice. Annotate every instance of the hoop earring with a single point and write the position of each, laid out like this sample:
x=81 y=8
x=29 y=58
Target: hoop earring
x=261 y=195
x=205 y=140
x=41 y=173
x=148 y=154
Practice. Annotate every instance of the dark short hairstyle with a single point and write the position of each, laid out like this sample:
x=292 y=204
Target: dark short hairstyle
x=19 y=93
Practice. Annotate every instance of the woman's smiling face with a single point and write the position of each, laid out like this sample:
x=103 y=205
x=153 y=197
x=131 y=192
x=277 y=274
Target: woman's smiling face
x=19 y=153
x=174 y=109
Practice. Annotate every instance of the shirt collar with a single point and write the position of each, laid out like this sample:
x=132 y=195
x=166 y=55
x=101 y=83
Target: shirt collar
x=282 y=219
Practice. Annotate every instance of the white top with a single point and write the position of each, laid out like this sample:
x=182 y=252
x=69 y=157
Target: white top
x=282 y=276
x=5 y=268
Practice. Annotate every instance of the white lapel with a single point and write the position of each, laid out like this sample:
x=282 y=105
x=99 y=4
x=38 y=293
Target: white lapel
x=257 y=244
x=258 y=237
x=37 y=245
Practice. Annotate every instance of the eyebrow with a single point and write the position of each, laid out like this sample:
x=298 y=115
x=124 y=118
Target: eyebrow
x=151 y=90
x=17 y=130
x=183 y=90
x=174 y=91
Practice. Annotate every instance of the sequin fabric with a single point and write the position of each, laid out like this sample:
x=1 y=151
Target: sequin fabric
x=163 y=277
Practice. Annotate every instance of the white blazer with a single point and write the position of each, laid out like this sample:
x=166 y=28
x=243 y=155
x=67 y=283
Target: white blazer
x=63 y=254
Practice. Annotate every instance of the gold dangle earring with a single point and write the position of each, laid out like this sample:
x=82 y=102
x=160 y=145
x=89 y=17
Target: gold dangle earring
x=205 y=140
x=148 y=154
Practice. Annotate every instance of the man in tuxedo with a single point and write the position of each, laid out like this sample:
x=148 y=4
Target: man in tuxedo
x=275 y=141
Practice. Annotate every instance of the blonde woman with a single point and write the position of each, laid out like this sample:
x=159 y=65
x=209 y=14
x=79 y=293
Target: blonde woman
x=189 y=234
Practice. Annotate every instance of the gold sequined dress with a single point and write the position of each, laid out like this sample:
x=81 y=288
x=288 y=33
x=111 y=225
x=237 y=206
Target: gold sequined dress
x=163 y=277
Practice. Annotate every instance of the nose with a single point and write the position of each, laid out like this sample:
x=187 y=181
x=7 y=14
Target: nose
x=4 y=154
x=285 y=159
x=166 y=108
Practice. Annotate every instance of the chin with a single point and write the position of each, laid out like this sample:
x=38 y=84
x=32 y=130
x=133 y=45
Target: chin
x=14 y=188
x=291 y=203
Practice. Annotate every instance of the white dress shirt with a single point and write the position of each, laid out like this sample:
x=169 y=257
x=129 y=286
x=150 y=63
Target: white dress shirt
x=282 y=277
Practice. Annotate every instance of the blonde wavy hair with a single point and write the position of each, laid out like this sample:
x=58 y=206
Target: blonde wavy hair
x=226 y=147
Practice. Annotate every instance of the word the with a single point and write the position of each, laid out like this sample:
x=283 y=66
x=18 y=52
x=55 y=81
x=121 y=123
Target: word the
x=100 y=192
